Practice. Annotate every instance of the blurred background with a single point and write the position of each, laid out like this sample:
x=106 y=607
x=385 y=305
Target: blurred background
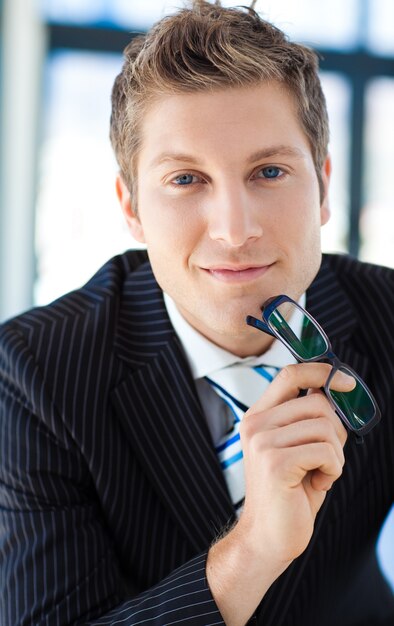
x=59 y=218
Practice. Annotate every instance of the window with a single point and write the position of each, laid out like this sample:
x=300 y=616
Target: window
x=377 y=216
x=337 y=92
x=78 y=221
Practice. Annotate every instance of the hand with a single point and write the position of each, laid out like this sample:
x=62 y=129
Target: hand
x=293 y=453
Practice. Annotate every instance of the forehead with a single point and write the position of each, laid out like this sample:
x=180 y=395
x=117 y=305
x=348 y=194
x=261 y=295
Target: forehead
x=230 y=121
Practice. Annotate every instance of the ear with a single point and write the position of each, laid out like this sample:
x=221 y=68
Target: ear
x=325 y=177
x=133 y=221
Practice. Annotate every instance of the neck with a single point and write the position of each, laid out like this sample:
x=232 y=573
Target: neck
x=253 y=343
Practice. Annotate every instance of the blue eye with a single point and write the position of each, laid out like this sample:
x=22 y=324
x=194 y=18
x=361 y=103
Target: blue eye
x=271 y=171
x=184 y=179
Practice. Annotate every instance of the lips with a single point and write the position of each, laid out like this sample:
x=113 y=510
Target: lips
x=237 y=274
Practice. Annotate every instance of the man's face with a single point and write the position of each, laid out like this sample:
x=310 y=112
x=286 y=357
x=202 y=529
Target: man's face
x=228 y=205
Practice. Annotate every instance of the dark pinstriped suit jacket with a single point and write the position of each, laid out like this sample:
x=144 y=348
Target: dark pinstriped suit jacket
x=110 y=491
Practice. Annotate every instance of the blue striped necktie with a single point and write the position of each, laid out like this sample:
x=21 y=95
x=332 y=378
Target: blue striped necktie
x=240 y=386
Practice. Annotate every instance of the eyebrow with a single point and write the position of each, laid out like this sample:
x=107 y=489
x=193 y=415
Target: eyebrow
x=264 y=153
x=274 y=151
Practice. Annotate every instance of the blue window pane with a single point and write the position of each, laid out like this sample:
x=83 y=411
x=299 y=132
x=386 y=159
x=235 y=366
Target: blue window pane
x=75 y=11
x=123 y=13
x=337 y=92
x=377 y=218
x=381 y=26
x=331 y=24
x=141 y=15
x=79 y=224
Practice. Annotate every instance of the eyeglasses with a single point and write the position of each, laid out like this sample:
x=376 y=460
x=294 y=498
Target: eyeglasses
x=282 y=318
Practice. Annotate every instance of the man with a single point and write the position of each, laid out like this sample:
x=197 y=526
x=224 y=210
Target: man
x=114 y=507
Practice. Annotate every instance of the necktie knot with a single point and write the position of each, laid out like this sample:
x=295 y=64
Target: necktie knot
x=242 y=382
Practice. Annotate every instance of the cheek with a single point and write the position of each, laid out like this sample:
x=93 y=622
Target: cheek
x=302 y=219
x=171 y=237
x=171 y=226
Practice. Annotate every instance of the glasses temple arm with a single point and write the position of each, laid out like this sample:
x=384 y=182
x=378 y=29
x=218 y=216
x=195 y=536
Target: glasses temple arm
x=253 y=321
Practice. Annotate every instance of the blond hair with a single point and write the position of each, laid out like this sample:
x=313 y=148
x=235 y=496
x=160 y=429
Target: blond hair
x=207 y=47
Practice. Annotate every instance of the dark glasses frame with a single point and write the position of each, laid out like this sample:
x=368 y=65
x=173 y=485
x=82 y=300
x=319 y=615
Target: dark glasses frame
x=327 y=356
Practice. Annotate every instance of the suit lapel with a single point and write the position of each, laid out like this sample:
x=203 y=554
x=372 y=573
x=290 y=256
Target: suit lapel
x=330 y=305
x=162 y=417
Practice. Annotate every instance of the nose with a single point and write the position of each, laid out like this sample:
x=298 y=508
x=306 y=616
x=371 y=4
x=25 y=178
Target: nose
x=233 y=216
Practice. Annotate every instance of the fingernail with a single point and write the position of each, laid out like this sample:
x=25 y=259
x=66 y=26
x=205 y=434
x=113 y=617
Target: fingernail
x=345 y=378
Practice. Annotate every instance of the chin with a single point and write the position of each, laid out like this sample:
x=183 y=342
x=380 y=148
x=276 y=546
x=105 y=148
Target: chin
x=232 y=324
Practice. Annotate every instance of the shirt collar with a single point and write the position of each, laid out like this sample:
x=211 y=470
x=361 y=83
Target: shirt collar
x=205 y=357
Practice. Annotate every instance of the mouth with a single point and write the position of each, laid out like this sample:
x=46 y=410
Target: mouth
x=237 y=274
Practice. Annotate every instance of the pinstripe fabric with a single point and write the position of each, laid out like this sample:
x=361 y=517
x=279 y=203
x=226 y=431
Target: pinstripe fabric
x=104 y=518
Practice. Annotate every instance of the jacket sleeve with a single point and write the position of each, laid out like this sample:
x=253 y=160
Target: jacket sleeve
x=57 y=563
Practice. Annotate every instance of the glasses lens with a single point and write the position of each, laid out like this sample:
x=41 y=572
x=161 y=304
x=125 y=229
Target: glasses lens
x=298 y=331
x=357 y=405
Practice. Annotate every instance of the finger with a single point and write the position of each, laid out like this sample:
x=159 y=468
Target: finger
x=316 y=481
x=340 y=378
x=288 y=468
x=300 y=433
x=320 y=481
x=294 y=378
x=282 y=429
x=339 y=427
x=294 y=410
x=319 y=458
